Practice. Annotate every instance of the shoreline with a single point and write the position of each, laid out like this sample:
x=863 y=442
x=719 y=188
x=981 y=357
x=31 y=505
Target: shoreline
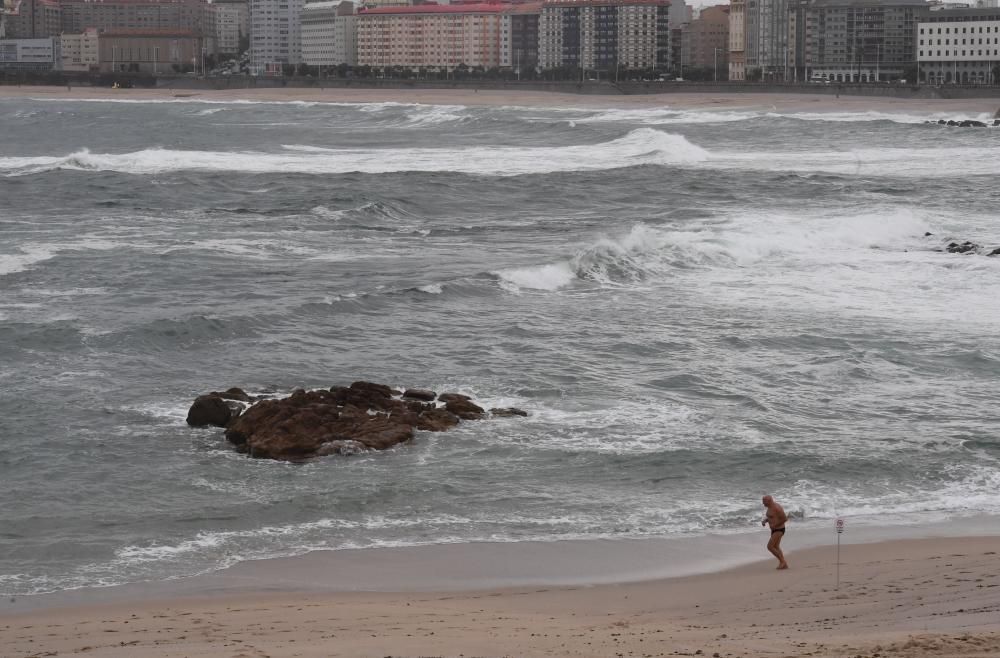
x=467 y=566
x=908 y=597
x=698 y=100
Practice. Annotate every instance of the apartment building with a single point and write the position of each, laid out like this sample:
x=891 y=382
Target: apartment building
x=232 y=24
x=275 y=35
x=329 y=33
x=604 y=35
x=855 y=40
x=32 y=19
x=705 y=41
x=79 y=52
x=737 y=40
x=438 y=37
x=111 y=15
x=768 y=51
x=519 y=37
x=959 y=46
x=150 y=51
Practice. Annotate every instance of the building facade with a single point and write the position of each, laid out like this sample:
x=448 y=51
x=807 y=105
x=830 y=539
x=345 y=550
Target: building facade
x=150 y=51
x=32 y=19
x=855 y=40
x=79 y=52
x=706 y=41
x=737 y=40
x=232 y=25
x=29 y=54
x=436 y=37
x=768 y=51
x=275 y=35
x=519 y=37
x=604 y=35
x=111 y=15
x=959 y=46
x=329 y=33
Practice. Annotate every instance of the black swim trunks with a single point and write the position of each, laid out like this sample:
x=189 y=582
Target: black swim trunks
x=781 y=530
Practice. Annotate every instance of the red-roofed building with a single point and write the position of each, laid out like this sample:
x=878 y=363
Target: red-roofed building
x=432 y=36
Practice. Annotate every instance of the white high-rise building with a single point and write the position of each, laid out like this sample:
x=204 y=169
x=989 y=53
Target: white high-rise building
x=329 y=33
x=275 y=35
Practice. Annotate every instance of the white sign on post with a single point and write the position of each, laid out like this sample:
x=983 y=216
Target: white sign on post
x=840 y=530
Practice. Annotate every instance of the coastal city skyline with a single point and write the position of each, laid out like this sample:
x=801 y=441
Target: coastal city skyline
x=743 y=41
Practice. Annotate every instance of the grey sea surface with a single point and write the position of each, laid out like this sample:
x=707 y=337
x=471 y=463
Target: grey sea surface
x=696 y=307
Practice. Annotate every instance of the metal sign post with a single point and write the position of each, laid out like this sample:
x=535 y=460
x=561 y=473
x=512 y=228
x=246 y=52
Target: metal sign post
x=840 y=531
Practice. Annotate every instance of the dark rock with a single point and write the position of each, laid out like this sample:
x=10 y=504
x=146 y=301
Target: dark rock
x=339 y=421
x=234 y=394
x=296 y=427
x=465 y=409
x=507 y=412
x=928 y=234
x=942 y=122
x=952 y=122
x=341 y=447
x=963 y=248
x=995 y=252
x=436 y=420
x=419 y=394
x=996 y=122
x=969 y=123
x=374 y=388
x=209 y=410
x=448 y=397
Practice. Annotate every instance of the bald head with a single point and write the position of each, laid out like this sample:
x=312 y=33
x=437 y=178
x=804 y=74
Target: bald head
x=768 y=501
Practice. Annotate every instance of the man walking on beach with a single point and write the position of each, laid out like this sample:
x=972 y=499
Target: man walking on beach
x=777 y=519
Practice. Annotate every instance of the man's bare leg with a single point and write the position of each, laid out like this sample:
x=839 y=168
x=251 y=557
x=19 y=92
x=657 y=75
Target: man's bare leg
x=774 y=546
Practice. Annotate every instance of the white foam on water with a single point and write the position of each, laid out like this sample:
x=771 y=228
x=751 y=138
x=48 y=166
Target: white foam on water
x=32 y=254
x=541 y=277
x=432 y=289
x=890 y=162
x=643 y=146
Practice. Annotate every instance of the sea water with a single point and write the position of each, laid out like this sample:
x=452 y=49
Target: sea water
x=695 y=307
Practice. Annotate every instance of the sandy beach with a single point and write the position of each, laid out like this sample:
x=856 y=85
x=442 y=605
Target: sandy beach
x=907 y=598
x=521 y=98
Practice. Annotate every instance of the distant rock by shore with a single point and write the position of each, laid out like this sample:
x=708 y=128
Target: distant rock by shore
x=343 y=420
x=965 y=123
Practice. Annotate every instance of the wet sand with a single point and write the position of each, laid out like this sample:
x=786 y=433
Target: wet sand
x=485 y=97
x=907 y=598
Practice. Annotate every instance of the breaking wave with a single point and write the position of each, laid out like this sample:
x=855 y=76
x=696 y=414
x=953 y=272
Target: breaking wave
x=643 y=146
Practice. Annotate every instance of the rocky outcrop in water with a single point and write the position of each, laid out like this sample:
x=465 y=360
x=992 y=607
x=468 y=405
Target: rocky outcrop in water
x=344 y=420
x=965 y=123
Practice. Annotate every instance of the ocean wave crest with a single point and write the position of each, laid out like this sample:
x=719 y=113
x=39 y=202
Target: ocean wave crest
x=644 y=146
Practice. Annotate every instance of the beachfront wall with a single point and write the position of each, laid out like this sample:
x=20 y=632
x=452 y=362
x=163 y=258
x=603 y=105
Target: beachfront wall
x=604 y=35
x=959 y=46
x=438 y=37
x=855 y=40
